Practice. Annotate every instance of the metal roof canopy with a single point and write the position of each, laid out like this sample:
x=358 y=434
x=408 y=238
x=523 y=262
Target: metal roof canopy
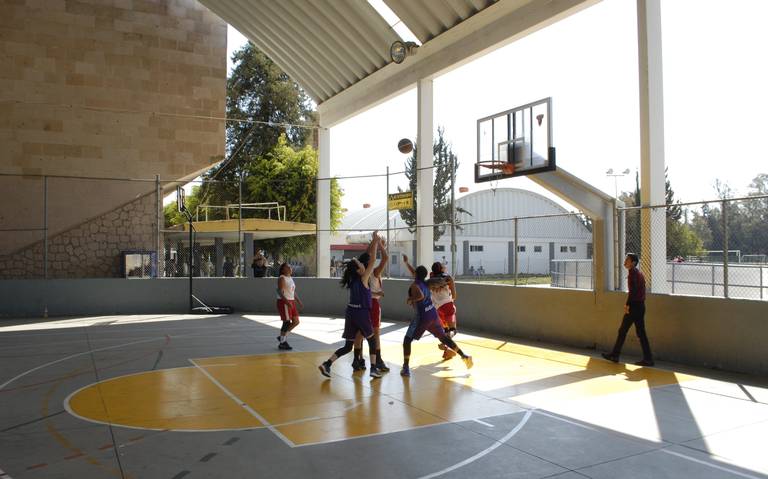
x=338 y=50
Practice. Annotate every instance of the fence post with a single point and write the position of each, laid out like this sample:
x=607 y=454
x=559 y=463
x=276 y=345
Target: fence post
x=673 y=277
x=387 y=203
x=517 y=246
x=713 y=279
x=725 y=248
x=240 y=238
x=159 y=211
x=45 y=227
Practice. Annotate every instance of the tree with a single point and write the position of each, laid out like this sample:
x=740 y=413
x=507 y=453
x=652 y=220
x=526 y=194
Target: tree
x=270 y=151
x=681 y=238
x=270 y=104
x=288 y=176
x=283 y=175
x=443 y=157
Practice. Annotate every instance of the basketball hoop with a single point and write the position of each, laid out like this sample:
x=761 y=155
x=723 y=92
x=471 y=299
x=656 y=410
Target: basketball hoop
x=498 y=166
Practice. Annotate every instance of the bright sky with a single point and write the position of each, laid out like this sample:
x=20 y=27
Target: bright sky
x=714 y=98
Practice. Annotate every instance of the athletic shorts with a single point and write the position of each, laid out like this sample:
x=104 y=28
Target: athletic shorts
x=447 y=314
x=375 y=313
x=357 y=320
x=287 y=309
x=419 y=325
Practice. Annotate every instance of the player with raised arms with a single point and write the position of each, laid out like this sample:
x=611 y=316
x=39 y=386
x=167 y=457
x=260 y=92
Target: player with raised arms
x=443 y=289
x=377 y=292
x=420 y=297
x=358 y=316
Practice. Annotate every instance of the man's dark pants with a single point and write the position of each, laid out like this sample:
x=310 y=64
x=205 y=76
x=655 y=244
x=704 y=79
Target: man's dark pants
x=635 y=316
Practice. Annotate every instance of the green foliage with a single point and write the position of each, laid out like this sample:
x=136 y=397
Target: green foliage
x=682 y=239
x=443 y=157
x=271 y=152
x=259 y=90
x=747 y=220
x=288 y=176
x=171 y=211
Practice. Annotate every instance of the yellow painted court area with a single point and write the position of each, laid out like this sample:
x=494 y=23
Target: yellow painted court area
x=287 y=393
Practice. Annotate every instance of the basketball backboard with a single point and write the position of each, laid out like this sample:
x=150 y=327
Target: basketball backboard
x=515 y=142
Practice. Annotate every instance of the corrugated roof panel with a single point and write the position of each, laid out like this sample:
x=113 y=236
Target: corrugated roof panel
x=428 y=19
x=281 y=54
x=324 y=46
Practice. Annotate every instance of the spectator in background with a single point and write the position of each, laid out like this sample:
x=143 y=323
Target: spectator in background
x=480 y=270
x=229 y=267
x=472 y=270
x=259 y=264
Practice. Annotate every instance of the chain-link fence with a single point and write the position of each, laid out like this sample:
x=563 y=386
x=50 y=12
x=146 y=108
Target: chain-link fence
x=715 y=248
x=73 y=227
x=69 y=227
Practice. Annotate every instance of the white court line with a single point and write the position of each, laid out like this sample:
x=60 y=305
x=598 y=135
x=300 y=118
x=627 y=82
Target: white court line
x=487 y=424
x=298 y=421
x=245 y=406
x=354 y=405
x=537 y=411
x=2 y=386
x=714 y=466
x=480 y=454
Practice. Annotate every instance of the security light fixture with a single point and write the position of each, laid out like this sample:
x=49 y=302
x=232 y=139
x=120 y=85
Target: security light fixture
x=399 y=50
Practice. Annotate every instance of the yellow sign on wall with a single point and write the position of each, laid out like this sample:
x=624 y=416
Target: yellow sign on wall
x=400 y=201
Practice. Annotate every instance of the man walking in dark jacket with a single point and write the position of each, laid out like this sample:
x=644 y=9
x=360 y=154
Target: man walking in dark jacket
x=634 y=313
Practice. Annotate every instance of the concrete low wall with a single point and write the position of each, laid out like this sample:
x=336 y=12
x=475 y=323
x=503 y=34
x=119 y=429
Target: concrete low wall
x=710 y=332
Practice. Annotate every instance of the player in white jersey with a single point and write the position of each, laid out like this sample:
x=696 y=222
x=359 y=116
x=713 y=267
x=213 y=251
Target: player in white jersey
x=286 y=304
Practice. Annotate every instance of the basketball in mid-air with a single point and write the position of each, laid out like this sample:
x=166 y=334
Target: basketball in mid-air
x=405 y=146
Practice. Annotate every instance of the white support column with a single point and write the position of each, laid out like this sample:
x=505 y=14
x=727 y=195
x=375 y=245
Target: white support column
x=425 y=176
x=652 y=192
x=324 y=204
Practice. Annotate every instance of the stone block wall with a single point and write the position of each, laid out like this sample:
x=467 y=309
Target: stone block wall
x=107 y=89
x=91 y=249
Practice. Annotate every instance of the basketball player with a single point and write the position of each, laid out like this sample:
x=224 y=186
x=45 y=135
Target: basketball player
x=286 y=304
x=377 y=292
x=425 y=319
x=443 y=289
x=358 y=315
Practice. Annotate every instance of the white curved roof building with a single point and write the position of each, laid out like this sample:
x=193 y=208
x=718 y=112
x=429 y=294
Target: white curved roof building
x=486 y=238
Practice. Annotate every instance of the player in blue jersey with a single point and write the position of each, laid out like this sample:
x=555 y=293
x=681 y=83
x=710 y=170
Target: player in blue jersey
x=358 y=314
x=426 y=319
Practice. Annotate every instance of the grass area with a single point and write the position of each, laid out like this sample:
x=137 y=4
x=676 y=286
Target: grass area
x=522 y=280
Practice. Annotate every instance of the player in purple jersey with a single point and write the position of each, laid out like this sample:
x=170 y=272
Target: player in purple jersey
x=426 y=319
x=358 y=316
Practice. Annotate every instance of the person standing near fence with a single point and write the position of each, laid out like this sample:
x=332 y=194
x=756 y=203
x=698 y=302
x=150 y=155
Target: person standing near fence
x=634 y=313
x=286 y=305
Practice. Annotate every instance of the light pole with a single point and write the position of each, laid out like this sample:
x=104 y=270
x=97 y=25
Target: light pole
x=616 y=180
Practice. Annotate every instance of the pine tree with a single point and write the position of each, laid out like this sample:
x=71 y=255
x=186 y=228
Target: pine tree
x=443 y=157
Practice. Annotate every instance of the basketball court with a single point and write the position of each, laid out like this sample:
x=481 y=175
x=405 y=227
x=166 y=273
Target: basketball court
x=194 y=396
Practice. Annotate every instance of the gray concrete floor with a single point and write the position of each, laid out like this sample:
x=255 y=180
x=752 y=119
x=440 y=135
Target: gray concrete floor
x=708 y=428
